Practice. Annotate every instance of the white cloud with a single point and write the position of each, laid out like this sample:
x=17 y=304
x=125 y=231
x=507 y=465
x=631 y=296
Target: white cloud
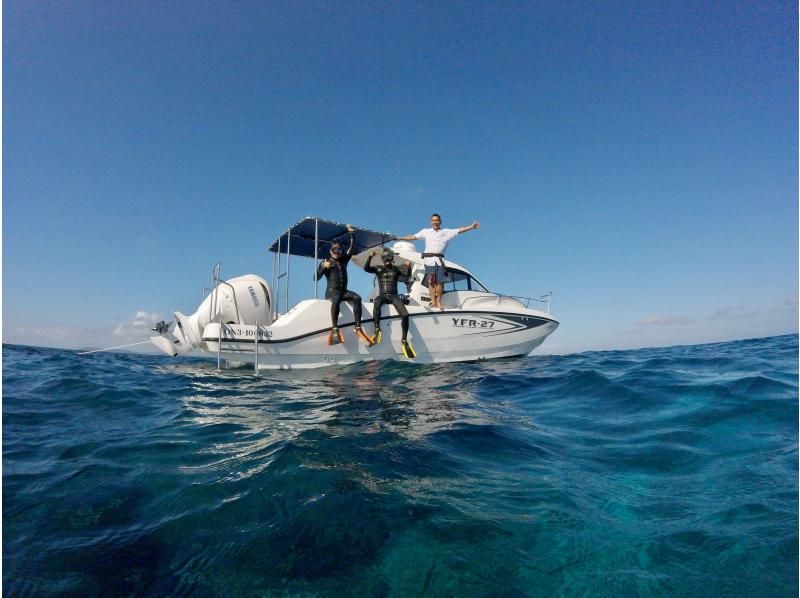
x=664 y=321
x=141 y=323
x=54 y=333
x=65 y=336
x=741 y=312
x=734 y=312
x=71 y=336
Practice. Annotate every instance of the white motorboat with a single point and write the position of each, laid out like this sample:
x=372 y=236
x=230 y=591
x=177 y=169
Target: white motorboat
x=241 y=322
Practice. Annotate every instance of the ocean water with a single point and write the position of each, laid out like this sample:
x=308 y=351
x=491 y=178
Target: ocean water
x=652 y=472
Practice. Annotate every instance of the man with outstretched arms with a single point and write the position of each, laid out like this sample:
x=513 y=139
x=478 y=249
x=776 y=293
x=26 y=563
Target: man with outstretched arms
x=388 y=275
x=335 y=270
x=436 y=240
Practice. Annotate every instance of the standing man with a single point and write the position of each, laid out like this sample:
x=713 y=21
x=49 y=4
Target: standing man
x=335 y=270
x=436 y=240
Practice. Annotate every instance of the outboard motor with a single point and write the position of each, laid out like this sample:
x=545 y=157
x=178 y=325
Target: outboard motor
x=245 y=300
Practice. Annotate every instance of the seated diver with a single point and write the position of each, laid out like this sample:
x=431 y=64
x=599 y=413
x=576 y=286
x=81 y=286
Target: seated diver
x=335 y=270
x=388 y=274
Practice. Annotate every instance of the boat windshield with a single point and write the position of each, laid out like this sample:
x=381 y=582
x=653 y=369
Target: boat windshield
x=458 y=280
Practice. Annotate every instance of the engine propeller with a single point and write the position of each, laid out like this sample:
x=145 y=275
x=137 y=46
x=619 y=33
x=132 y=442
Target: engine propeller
x=162 y=326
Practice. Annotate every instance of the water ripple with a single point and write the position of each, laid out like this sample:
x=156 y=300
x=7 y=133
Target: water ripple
x=660 y=471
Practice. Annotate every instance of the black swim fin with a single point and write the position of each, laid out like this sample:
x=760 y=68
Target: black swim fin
x=335 y=336
x=408 y=350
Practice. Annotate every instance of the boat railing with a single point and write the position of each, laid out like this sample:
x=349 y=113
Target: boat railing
x=282 y=277
x=214 y=284
x=543 y=302
x=214 y=303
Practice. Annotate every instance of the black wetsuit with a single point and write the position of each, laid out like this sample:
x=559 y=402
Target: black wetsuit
x=387 y=287
x=336 y=290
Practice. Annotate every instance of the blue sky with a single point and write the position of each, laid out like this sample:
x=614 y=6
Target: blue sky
x=637 y=159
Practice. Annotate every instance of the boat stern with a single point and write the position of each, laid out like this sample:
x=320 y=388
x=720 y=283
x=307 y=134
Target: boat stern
x=178 y=337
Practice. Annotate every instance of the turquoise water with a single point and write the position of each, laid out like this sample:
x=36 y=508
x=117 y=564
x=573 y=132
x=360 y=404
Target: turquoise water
x=650 y=472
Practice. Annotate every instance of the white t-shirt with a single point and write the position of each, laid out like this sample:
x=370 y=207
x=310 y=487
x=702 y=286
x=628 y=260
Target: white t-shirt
x=436 y=242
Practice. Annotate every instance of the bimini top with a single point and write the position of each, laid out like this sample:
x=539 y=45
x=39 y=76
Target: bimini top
x=299 y=238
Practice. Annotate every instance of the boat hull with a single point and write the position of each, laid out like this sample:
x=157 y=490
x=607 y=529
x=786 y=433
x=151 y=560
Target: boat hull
x=299 y=339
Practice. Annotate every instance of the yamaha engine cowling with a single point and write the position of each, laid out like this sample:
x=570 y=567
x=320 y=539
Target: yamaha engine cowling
x=243 y=300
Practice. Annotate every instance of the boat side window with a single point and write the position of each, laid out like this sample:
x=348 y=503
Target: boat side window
x=459 y=281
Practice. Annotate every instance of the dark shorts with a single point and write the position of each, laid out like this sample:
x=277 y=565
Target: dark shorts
x=438 y=271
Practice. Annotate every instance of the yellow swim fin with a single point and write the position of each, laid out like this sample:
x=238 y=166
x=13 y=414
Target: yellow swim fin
x=408 y=350
x=377 y=337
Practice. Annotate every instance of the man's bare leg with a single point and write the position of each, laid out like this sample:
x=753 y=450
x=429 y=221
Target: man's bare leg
x=433 y=287
x=439 y=292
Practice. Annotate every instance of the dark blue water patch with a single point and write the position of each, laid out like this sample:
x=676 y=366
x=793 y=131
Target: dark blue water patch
x=508 y=385
x=487 y=442
x=652 y=472
x=761 y=387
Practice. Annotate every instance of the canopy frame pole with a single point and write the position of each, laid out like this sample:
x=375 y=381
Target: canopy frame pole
x=288 y=263
x=278 y=278
x=273 y=308
x=316 y=258
x=212 y=306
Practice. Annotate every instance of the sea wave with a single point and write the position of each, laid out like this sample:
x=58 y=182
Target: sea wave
x=656 y=471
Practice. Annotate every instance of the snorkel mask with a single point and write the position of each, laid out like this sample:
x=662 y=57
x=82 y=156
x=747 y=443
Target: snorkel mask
x=387 y=255
x=336 y=250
